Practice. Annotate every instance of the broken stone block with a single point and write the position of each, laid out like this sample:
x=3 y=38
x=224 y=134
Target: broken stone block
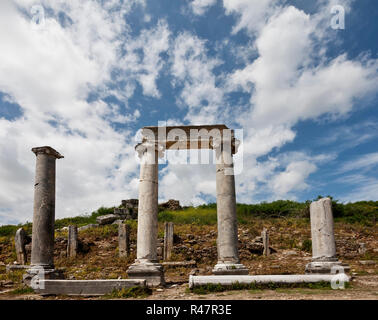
x=362 y=248
x=126 y=213
x=19 y=242
x=106 y=219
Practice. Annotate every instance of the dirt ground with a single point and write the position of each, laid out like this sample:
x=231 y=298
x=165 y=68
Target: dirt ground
x=198 y=243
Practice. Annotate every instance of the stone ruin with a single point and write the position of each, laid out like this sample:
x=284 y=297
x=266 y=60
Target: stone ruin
x=128 y=210
x=146 y=269
x=171 y=205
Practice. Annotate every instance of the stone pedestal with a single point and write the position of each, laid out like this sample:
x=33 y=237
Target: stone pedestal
x=146 y=265
x=227 y=242
x=324 y=258
x=42 y=255
x=153 y=272
x=34 y=274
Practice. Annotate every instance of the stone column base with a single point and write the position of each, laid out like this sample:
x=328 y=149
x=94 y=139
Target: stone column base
x=326 y=267
x=152 y=272
x=35 y=273
x=230 y=269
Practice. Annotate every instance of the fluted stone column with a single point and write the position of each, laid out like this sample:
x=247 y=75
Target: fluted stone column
x=227 y=242
x=42 y=255
x=146 y=265
x=323 y=239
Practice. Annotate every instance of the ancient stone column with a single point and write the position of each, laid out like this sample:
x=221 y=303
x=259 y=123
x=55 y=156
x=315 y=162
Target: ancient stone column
x=168 y=240
x=146 y=265
x=265 y=238
x=42 y=255
x=227 y=242
x=72 y=243
x=324 y=256
x=19 y=243
x=123 y=240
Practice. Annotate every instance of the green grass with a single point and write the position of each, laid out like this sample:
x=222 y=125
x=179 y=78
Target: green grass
x=212 y=288
x=199 y=216
x=133 y=292
x=84 y=219
x=307 y=245
x=22 y=290
x=363 y=212
x=10 y=230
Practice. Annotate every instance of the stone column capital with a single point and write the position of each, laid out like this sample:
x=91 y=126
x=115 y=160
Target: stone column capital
x=144 y=147
x=222 y=143
x=47 y=150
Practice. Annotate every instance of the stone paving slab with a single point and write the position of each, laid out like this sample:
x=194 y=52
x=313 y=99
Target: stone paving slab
x=86 y=287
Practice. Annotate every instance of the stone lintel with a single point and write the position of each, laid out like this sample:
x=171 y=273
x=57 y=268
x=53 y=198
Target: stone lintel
x=182 y=139
x=47 y=150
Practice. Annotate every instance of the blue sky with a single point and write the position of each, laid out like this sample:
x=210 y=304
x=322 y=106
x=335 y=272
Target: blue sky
x=84 y=76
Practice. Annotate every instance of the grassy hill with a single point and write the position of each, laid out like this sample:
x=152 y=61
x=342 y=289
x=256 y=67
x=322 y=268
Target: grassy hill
x=363 y=212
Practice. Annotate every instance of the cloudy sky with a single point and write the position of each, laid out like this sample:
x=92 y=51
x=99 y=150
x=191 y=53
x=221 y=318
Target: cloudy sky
x=84 y=76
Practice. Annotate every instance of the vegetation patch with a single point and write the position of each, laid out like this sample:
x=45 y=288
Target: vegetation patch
x=191 y=215
x=307 y=245
x=133 y=292
x=83 y=219
x=22 y=290
x=211 y=288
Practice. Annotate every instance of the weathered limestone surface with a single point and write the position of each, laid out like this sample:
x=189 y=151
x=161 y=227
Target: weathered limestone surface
x=106 y=219
x=324 y=256
x=73 y=243
x=123 y=240
x=227 y=242
x=146 y=265
x=168 y=240
x=19 y=242
x=85 y=287
x=228 y=280
x=42 y=255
